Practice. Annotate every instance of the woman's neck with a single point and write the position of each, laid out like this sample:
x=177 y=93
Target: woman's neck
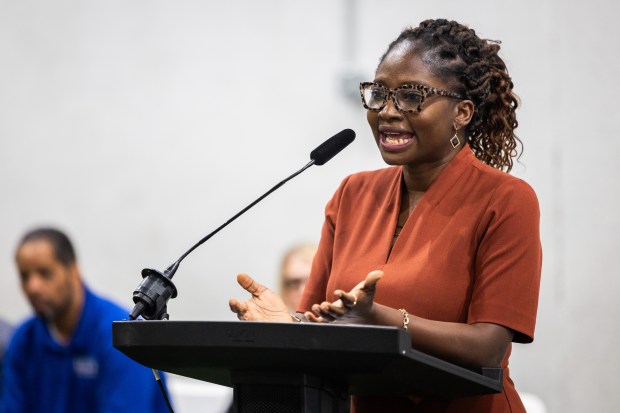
x=417 y=179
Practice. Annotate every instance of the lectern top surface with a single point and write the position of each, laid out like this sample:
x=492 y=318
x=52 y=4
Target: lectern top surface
x=370 y=359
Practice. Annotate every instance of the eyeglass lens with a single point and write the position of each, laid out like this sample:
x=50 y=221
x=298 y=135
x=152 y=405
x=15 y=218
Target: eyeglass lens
x=376 y=97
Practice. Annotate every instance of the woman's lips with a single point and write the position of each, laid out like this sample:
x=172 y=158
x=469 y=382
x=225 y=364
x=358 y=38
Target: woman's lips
x=395 y=140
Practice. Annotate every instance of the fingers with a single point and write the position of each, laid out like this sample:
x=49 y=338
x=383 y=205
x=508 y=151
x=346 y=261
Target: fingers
x=330 y=312
x=348 y=299
x=371 y=280
x=327 y=312
x=366 y=287
x=370 y=283
x=238 y=307
x=251 y=286
x=313 y=318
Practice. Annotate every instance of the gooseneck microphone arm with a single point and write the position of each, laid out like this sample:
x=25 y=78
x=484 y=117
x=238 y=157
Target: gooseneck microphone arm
x=237 y=215
x=152 y=295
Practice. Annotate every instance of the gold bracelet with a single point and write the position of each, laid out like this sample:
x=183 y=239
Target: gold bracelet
x=405 y=318
x=297 y=318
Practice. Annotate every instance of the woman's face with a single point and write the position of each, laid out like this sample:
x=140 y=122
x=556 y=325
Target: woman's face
x=420 y=140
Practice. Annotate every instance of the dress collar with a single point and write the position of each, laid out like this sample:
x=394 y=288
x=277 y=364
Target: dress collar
x=450 y=176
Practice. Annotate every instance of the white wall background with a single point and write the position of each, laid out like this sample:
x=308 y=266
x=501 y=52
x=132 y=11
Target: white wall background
x=140 y=126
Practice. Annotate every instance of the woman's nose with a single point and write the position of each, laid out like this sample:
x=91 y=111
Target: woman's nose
x=389 y=110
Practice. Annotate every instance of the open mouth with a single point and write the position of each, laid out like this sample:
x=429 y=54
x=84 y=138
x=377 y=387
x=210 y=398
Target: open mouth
x=394 y=141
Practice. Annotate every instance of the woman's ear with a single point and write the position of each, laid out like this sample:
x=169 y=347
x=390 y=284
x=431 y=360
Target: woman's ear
x=464 y=112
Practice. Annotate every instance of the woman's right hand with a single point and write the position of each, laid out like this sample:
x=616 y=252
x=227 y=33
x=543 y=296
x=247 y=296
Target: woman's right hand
x=264 y=305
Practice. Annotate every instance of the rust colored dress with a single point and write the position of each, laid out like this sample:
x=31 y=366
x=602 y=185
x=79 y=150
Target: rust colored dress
x=470 y=252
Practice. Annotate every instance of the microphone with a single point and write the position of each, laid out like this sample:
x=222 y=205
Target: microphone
x=331 y=147
x=152 y=294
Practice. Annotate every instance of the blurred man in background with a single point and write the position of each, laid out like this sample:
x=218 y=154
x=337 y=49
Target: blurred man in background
x=62 y=359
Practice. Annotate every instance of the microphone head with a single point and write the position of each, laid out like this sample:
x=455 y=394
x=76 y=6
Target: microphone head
x=331 y=147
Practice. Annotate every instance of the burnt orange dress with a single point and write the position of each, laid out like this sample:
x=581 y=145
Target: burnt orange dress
x=470 y=252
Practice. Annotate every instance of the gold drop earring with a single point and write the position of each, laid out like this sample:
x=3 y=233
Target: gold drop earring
x=455 y=141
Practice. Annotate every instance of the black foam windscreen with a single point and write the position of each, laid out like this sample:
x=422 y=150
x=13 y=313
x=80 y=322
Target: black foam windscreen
x=331 y=147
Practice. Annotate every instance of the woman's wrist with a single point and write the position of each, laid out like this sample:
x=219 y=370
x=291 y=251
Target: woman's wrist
x=373 y=314
x=388 y=316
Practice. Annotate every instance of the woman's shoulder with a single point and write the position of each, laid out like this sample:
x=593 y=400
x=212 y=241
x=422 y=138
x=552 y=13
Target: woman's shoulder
x=504 y=186
x=497 y=178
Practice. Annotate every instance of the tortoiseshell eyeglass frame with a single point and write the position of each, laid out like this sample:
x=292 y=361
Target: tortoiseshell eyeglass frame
x=424 y=90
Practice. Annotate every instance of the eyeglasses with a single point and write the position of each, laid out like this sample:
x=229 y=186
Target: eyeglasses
x=407 y=98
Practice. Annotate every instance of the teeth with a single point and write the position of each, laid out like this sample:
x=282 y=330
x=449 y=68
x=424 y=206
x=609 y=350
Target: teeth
x=396 y=141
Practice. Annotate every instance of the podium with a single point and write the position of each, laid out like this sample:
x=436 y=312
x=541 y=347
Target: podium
x=298 y=367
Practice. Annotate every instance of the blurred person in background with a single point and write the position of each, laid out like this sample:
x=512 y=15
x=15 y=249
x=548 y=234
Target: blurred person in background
x=294 y=273
x=61 y=360
x=5 y=334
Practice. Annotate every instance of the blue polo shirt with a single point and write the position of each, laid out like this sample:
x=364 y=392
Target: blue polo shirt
x=86 y=376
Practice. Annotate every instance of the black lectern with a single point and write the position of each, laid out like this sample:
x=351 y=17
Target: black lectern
x=298 y=367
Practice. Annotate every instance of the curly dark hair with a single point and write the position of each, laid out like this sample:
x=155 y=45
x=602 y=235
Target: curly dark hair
x=472 y=66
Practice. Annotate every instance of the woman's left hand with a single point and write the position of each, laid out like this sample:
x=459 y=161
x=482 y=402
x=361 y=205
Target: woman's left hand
x=353 y=307
x=263 y=305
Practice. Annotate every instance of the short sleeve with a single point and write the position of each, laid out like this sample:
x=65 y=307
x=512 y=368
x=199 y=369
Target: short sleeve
x=508 y=261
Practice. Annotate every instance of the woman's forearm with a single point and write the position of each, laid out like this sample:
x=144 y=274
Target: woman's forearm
x=479 y=344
